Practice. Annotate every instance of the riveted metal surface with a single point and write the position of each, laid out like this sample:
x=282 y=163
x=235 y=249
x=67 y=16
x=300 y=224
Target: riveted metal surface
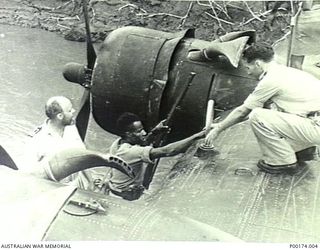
x=130 y=221
x=256 y=207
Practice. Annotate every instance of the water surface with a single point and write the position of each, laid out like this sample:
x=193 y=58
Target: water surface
x=31 y=62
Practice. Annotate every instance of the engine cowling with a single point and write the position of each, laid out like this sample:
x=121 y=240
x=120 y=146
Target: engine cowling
x=143 y=71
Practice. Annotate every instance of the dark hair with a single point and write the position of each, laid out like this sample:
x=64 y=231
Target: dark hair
x=52 y=109
x=262 y=51
x=124 y=121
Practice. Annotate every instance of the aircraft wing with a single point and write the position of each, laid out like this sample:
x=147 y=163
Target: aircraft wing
x=38 y=209
x=28 y=205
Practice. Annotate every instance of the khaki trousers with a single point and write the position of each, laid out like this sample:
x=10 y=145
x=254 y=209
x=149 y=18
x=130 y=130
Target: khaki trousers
x=280 y=134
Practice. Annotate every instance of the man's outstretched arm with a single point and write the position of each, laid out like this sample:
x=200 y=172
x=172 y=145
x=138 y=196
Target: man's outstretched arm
x=175 y=147
x=236 y=116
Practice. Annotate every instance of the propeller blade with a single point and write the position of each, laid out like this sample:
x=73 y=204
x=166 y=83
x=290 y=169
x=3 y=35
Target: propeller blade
x=82 y=119
x=91 y=54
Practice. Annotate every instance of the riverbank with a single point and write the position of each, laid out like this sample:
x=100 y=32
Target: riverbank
x=210 y=20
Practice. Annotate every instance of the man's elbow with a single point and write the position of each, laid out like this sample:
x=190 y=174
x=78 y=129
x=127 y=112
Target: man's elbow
x=243 y=111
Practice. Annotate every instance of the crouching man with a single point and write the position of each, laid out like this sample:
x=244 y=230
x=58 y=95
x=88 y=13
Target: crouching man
x=134 y=148
x=292 y=125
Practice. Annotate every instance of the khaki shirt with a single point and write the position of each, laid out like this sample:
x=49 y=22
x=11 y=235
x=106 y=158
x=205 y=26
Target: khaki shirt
x=137 y=157
x=291 y=90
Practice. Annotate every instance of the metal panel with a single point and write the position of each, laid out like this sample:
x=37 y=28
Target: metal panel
x=131 y=221
x=28 y=205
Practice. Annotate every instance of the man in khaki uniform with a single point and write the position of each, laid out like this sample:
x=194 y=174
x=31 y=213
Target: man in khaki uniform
x=292 y=126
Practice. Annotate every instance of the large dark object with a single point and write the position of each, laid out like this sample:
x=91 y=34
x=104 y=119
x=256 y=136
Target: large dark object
x=142 y=71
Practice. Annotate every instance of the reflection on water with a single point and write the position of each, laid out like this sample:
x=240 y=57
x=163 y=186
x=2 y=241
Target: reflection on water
x=31 y=63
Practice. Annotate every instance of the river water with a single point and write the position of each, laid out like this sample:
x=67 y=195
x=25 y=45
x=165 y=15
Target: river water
x=31 y=62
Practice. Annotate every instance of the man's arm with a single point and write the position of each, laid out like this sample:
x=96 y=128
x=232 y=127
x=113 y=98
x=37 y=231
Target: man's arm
x=236 y=116
x=175 y=147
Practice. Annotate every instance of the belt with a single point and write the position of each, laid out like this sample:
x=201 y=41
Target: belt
x=315 y=117
x=313 y=114
x=133 y=193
